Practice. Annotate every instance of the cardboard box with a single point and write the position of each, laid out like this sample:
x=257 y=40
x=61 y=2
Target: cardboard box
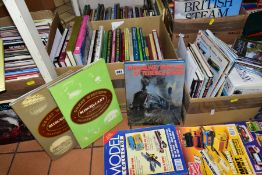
x=116 y=70
x=18 y=88
x=226 y=28
x=32 y=5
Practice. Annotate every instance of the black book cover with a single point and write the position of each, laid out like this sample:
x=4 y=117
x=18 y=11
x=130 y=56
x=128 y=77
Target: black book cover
x=109 y=46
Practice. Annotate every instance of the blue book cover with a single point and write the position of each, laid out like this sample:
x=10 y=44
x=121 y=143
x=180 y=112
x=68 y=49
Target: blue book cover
x=154 y=91
x=251 y=135
x=22 y=71
x=192 y=9
x=154 y=150
x=135 y=44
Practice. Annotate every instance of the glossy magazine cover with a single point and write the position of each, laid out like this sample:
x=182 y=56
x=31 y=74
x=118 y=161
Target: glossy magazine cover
x=251 y=135
x=154 y=150
x=214 y=149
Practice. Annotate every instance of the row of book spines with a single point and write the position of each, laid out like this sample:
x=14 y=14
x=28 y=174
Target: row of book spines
x=117 y=12
x=130 y=46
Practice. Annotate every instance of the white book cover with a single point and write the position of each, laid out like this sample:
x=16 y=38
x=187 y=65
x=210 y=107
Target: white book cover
x=56 y=42
x=99 y=43
x=91 y=47
x=158 y=50
x=241 y=81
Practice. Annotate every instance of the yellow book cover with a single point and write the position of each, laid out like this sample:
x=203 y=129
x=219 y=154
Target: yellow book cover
x=2 y=71
x=214 y=149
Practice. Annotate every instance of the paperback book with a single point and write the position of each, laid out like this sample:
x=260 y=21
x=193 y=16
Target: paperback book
x=251 y=135
x=216 y=149
x=154 y=91
x=154 y=150
x=88 y=102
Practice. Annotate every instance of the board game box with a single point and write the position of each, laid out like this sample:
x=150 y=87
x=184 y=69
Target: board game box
x=153 y=150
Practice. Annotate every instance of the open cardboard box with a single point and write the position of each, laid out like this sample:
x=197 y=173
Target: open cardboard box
x=226 y=28
x=17 y=88
x=116 y=70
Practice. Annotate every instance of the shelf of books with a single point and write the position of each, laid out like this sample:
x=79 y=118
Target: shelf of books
x=119 y=58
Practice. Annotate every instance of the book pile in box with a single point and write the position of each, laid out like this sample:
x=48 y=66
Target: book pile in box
x=149 y=8
x=208 y=61
x=18 y=63
x=129 y=44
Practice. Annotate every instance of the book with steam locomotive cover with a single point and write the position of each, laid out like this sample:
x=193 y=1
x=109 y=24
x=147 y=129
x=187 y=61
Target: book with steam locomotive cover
x=192 y=9
x=40 y=113
x=154 y=91
x=152 y=150
x=88 y=102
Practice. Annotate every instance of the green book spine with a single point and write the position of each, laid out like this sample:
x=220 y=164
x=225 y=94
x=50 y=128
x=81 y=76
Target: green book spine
x=139 y=44
x=126 y=31
x=104 y=48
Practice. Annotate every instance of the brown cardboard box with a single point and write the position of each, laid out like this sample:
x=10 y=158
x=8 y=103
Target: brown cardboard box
x=18 y=88
x=32 y=5
x=226 y=28
x=116 y=70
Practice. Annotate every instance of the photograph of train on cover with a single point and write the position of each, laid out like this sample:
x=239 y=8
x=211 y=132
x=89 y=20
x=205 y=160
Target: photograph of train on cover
x=154 y=92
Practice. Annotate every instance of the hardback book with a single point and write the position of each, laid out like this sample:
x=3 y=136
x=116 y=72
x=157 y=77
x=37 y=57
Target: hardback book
x=193 y=9
x=157 y=45
x=135 y=44
x=92 y=47
x=104 y=47
x=153 y=47
x=98 y=47
x=40 y=113
x=216 y=149
x=113 y=47
x=80 y=44
x=12 y=129
x=139 y=41
x=91 y=107
x=109 y=46
x=251 y=135
x=153 y=150
x=71 y=44
x=242 y=81
x=2 y=68
x=154 y=91
x=249 y=51
x=61 y=44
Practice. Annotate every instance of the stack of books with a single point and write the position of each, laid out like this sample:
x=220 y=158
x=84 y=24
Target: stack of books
x=246 y=76
x=18 y=63
x=149 y=8
x=208 y=61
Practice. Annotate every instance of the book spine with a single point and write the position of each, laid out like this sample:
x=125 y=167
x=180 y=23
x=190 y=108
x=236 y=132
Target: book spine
x=146 y=48
x=104 y=51
x=198 y=89
x=113 y=50
x=127 y=58
x=21 y=71
x=118 y=42
x=81 y=34
x=89 y=59
x=143 y=45
x=135 y=44
x=139 y=44
x=131 y=52
x=207 y=87
x=159 y=53
x=123 y=47
x=150 y=54
x=153 y=47
x=109 y=46
x=99 y=43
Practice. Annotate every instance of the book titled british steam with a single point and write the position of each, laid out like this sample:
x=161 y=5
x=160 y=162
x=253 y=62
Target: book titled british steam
x=154 y=150
x=154 y=91
x=192 y=9
x=88 y=102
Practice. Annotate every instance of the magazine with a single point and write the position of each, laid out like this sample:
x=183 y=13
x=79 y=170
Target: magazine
x=154 y=150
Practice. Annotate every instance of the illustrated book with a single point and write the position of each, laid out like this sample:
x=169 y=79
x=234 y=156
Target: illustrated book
x=88 y=102
x=154 y=91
